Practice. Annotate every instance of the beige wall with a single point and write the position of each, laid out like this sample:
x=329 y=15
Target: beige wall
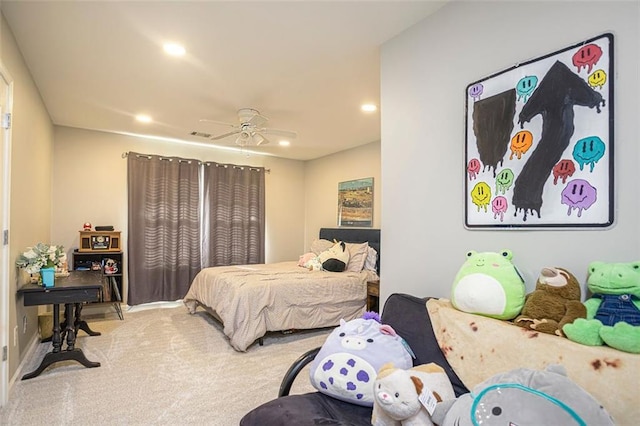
x=321 y=187
x=31 y=184
x=90 y=178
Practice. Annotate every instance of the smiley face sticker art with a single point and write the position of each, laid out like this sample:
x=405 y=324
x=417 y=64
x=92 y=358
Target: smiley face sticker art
x=481 y=195
x=539 y=142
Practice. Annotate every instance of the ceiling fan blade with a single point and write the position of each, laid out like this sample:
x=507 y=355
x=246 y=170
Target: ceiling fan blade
x=285 y=133
x=260 y=139
x=251 y=116
x=257 y=120
x=224 y=135
x=221 y=123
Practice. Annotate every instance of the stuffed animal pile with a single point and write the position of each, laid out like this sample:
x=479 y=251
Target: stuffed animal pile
x=333 y=259
x=489 y=284
x=398 y=393
x=554 y=303
x=613 y=312
x=348 y=362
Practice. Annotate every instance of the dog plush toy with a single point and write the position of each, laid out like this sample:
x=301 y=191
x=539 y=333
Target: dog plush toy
x=524 y=397
x=396 y=392
x=336 y=258
x=613 y=312
x=554 y=303
x=489 y=284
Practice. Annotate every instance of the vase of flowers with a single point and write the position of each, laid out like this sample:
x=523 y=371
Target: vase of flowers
x=42 y=259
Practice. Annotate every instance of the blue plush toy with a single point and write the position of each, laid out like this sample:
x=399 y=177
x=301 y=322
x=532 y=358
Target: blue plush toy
x=348 y=362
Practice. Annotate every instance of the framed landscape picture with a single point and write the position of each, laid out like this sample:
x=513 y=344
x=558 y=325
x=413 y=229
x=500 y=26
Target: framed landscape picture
x=539 y=142
x=355 y=203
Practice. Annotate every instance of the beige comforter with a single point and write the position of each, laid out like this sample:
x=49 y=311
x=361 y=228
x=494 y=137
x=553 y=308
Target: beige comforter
x=253 y=299
x=478 y=347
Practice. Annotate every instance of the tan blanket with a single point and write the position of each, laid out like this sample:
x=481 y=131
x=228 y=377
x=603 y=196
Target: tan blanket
x=253 y=299
x=478 y=347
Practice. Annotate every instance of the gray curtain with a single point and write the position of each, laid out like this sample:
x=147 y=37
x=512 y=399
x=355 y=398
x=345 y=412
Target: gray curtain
x=164 y=227
x=233 y=215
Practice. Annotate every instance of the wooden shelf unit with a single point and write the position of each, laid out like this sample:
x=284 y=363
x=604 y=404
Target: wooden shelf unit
x=112 y=283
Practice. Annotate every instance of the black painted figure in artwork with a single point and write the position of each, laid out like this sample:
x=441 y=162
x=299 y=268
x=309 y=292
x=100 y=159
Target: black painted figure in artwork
x=492 y=125
x=559 y=91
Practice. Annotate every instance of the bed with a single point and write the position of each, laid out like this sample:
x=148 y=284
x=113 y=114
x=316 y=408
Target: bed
x=251 y=300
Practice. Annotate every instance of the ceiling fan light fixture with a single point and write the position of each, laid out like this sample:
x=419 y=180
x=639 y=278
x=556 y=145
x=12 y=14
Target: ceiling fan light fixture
x=284 y=143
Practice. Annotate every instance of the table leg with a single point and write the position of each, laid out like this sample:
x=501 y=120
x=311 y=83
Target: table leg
x=57 y=354
x=53 y=357
x=56 y=338
x=81 y=324
x=69 y=329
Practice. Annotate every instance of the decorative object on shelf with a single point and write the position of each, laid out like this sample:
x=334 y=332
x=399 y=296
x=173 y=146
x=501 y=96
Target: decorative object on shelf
x=110 y=266
x=86 y=226
x=48 y=275
x=97 y=241
x=43 y=260
x=34 y=278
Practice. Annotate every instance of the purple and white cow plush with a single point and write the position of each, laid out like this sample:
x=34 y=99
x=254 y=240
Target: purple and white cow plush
x=348 y=362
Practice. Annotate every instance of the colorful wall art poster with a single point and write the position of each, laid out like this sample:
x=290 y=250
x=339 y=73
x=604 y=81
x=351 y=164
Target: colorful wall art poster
x=355 y=202
x=539 y=142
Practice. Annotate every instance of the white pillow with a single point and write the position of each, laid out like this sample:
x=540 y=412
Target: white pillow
x=371 y=260
x=358 y=255
x=318 y=246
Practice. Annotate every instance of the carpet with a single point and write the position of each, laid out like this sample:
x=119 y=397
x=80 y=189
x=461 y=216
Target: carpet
x=158 y=366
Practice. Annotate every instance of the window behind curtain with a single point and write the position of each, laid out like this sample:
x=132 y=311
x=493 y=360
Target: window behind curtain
x=169 y=241
x=233 y=215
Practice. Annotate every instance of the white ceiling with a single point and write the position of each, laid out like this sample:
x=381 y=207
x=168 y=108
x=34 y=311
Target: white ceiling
x=307 y=66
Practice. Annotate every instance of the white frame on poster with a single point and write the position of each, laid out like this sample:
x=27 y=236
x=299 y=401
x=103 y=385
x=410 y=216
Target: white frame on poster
x=539 y=142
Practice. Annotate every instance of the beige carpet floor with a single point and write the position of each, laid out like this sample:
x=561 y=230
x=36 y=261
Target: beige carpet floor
x=159 y=366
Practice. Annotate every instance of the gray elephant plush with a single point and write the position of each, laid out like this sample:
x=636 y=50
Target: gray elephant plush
x=524 y=397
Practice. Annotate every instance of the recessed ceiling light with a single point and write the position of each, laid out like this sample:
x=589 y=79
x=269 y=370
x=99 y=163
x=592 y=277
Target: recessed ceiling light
x=143 y=118
x=369 y=107
x=284 y=143
x=174 y=49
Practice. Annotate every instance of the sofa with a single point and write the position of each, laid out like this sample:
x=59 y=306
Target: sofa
x=402 y=312
x=470 y=348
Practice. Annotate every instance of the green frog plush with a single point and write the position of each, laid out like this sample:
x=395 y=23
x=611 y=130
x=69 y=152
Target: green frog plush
x=613 y=312
x=489 y=284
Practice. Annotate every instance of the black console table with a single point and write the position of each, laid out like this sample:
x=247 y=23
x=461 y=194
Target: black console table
x=72 y=291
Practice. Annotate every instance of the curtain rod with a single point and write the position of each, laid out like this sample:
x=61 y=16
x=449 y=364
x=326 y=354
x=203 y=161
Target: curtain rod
x=126 y=154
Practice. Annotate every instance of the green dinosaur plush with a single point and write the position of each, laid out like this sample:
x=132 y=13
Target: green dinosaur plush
x=489 y=284
x=613 y=312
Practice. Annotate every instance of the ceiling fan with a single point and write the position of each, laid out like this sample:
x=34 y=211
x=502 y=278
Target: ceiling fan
x=249 y=131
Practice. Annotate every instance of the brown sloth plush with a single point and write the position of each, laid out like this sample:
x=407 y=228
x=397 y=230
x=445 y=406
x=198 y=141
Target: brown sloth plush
x=554 y=303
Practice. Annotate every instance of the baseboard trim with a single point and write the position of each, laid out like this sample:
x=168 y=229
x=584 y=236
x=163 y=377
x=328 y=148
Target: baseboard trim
x=31 y=348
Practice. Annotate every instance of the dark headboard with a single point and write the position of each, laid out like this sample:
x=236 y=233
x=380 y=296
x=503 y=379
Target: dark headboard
x=354 y=235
